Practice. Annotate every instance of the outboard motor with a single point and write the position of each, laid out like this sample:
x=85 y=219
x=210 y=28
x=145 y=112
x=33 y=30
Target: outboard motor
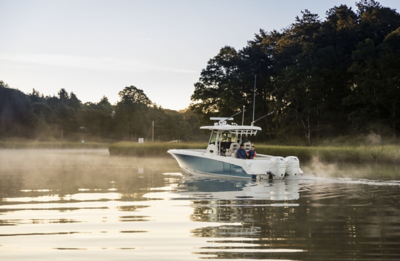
x=292 y=166
x=277 y=168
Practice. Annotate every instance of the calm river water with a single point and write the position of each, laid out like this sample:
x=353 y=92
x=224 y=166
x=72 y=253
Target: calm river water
x=86 y=205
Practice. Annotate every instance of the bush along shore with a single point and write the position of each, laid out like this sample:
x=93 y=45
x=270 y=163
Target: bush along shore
x=52 y=145
x=356 y=154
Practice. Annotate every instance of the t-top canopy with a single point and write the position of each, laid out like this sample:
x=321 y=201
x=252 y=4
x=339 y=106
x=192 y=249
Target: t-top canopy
x=221 y=119
x=231 y=128
x=246 y=130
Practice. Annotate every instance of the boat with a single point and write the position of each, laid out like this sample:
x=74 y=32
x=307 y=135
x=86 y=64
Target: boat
x=220 y=157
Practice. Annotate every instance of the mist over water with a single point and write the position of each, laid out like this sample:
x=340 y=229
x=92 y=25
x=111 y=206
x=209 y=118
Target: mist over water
x=84 y=204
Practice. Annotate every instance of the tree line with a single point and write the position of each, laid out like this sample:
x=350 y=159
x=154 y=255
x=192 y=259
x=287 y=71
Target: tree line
x=64 y=116
x=323 y=78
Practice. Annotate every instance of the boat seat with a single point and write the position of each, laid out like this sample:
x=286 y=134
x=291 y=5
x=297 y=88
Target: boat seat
x=232 y=149
x=233 y=155
x=247 y=146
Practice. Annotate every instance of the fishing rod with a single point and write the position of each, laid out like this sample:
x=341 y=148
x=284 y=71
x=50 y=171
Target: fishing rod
x=262 y=117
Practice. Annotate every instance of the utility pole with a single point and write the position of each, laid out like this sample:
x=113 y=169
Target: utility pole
x=152 y=132
x=254 y=98
x=243 y=115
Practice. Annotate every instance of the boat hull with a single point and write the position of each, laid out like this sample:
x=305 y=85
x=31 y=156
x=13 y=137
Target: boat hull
x=201 y=162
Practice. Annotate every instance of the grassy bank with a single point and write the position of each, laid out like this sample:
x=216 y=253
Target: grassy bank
x=51 y=145
x=357 y=154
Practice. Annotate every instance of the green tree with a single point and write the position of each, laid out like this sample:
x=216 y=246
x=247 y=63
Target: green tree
x=376 y=21
x=376 y=91
x=134 y=95
x=15 y=113
x=130 y=112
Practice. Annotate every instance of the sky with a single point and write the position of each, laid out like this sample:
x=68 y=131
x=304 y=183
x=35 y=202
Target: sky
x=95 y=48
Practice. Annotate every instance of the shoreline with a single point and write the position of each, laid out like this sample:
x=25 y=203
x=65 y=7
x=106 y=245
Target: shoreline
x=388 y=154
x=52 y=145
x=355 y=154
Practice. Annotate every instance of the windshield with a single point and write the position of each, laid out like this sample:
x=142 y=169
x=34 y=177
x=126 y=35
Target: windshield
x=226 y=135
x=213 y=137
x=233 y=136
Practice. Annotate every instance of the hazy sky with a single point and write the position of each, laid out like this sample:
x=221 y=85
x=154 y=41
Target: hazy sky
x=96 y=47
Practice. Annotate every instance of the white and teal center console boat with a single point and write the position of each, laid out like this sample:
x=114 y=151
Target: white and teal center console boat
x=220 y=157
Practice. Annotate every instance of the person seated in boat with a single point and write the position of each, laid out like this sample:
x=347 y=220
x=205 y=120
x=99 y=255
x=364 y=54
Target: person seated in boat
x=241 y=153
x=251 y=154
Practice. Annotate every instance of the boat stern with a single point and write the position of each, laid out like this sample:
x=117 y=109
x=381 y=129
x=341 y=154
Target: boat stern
x=268 y=168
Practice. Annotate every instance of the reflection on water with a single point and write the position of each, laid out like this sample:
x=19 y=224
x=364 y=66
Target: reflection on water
x=239 y=189
x=93 y=206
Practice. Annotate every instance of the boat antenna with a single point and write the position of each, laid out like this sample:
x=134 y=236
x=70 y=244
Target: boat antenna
x=254 y=97
x=262 y=117
x=229 y=117
x=243 y=115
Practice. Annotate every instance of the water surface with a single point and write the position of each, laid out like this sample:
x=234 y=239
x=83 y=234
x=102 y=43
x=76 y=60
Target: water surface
x=84 y=204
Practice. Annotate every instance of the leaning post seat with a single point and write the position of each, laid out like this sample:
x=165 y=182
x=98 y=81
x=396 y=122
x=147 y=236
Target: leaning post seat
x=234 y=146
x=232 y=150
x=234 y=154
x=247 y=146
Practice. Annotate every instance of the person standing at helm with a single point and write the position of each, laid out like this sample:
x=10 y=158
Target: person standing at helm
x=227 y=145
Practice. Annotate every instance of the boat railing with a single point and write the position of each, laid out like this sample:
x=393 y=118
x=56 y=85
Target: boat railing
x=262 y=157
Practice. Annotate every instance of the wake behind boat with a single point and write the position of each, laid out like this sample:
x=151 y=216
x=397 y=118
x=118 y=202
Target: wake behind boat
x=221 y=156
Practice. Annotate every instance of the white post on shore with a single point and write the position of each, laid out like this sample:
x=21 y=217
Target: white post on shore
x=152 y=132
x=254 y=98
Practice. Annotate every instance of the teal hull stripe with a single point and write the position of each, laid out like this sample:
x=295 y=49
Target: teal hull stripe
x=210 y=166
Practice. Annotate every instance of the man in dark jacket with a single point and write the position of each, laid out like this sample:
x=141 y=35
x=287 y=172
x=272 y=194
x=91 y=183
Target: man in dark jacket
x=241 y=153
